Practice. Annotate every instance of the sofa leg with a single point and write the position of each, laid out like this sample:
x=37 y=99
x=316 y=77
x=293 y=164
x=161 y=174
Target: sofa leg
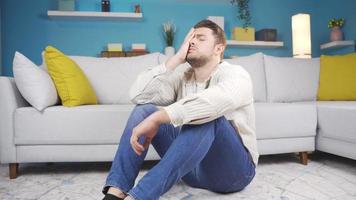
x=13 y=170
x=303 y=156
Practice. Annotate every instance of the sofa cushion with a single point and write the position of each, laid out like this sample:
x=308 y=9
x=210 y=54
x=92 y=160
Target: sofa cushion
x=72 y=85
x=291 y=79
x=253 y=64
x=337 y=77
x=34 y=83
x=88 y=124
x=337 y=120
x=285 y=120
x=112 y=78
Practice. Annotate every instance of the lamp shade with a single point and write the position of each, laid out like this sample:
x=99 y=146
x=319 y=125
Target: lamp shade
x=301 y=36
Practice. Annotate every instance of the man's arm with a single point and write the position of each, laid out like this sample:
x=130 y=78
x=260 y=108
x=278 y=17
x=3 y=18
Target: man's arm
x=161 y=116
x=139 y=94
x=149 y=128
x=233 y=91
x=158 y=85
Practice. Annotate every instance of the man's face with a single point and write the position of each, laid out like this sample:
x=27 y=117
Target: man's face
x=202 y=47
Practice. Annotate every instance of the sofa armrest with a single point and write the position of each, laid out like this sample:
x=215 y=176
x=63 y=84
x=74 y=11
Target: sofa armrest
x=10 y=100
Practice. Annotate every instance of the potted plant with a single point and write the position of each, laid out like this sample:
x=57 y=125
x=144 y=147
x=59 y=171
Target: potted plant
x=335 y=25
x=246 y=33
x=169 y=30
x=243 y=11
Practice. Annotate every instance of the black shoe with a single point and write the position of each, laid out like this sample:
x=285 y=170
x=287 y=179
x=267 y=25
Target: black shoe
x=112 y=197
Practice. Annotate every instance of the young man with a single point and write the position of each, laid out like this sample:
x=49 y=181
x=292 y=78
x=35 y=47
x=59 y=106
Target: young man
x=201 y=122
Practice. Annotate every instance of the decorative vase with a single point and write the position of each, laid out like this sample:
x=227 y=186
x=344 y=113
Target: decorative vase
x=169 y=51
x=137 y=8
x=336 y=34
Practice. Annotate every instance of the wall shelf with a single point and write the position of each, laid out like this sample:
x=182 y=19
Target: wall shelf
x=94 y=15
x=255 y=44
x=337 y=44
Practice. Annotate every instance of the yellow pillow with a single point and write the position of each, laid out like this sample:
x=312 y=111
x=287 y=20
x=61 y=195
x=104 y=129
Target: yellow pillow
x=71 y=83
x=337 y=77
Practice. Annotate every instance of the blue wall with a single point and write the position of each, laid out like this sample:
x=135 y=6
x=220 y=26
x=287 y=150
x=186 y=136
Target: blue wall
x=26 y=28
x=325 y=10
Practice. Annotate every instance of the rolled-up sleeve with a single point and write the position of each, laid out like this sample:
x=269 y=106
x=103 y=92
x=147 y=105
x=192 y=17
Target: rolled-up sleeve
x=230 y=93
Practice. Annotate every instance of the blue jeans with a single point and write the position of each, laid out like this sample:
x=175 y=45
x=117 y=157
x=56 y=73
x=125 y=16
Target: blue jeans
x=209 y=156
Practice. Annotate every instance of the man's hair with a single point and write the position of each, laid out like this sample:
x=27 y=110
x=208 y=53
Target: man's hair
x=218 y=33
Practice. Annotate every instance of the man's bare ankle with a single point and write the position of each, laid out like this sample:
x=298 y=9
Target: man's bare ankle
x=117 y=192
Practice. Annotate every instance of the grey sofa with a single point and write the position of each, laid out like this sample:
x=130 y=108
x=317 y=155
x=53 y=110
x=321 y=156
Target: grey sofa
x=288 y=117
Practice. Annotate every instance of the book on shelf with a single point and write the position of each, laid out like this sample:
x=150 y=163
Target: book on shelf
x=115 y=47
x=138 y=47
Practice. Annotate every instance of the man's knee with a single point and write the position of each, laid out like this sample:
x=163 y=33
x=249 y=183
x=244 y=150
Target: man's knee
x=145 y=109
x=221 y=119
x=212 y=123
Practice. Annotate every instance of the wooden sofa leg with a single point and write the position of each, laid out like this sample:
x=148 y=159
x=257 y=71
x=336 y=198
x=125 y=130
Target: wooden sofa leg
x=303 y=157
x=13 y=170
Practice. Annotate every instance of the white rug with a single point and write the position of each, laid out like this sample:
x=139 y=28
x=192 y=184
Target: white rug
x=279 y=177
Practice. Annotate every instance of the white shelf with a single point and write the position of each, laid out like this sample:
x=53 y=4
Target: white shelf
x=337 y=44
x=94 y=15
x=255 y=44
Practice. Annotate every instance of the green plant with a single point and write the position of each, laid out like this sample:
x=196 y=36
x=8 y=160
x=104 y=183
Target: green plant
x=336 y=23
x=243 y=11
x=169 y=30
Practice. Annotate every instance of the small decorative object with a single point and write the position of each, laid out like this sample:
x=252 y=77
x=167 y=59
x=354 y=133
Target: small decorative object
x=335 y=25
x=169 y=30
x=105 y=5
x=114 y=47
x=243 y=34
x=169 y=51
x=219 y=20
x=243 y=11
x=266 y=34
x=66 y=5
x=138 y=47
x=137 y=8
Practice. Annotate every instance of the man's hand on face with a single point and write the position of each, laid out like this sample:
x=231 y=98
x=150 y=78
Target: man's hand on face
x=182 y=52
x=180 y=56
x=147 y=128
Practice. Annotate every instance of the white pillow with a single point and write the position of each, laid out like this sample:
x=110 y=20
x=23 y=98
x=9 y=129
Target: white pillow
x=291 y=79
x=253 y=64
x=112 y=78
x=34 y=83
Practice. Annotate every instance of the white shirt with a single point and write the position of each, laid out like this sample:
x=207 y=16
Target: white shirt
x=228 y=92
